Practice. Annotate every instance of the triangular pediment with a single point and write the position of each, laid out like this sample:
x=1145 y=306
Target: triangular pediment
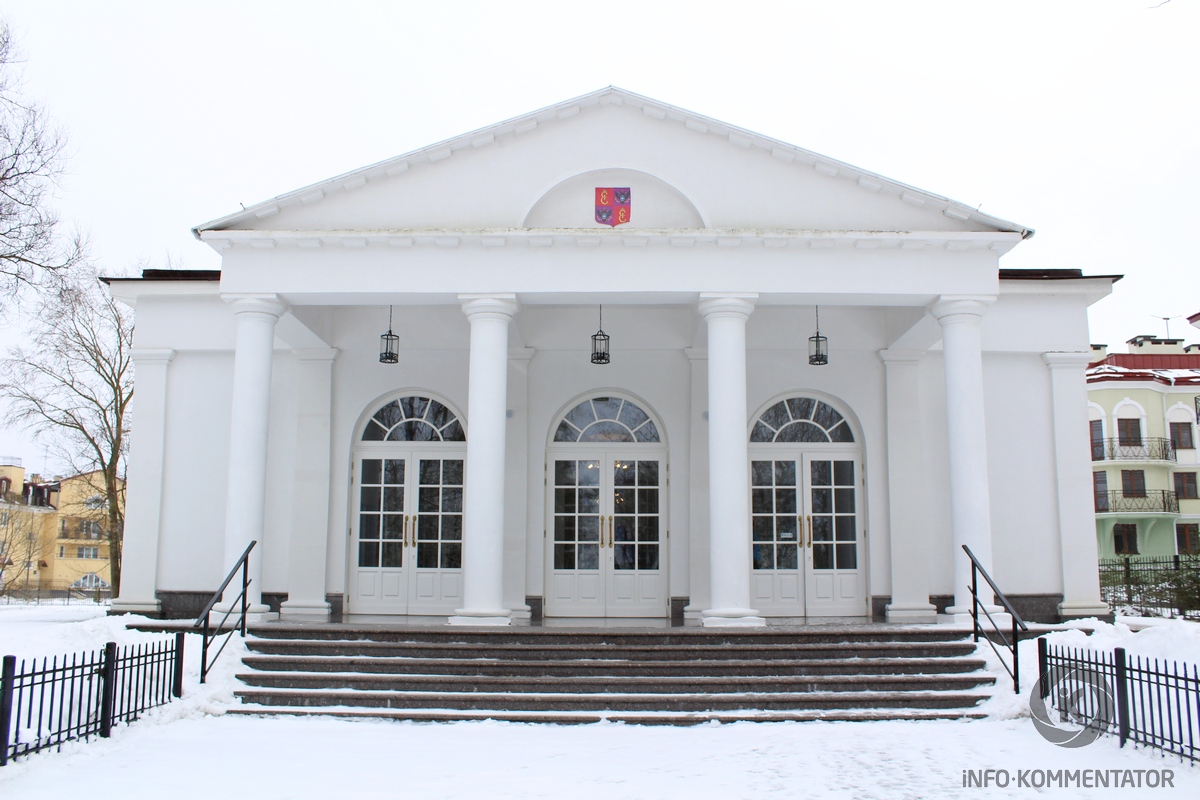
x=540 y=171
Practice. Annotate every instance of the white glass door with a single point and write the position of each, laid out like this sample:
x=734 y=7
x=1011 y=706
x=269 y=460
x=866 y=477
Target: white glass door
x=806 y=531
x=606 y=540
x=406 y=542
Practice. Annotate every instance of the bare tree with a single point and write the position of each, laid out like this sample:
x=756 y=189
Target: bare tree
x=71 y=384
x=20 y=542
x=31 y=150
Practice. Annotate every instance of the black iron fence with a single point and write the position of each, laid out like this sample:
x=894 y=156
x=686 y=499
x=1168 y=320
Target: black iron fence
x=1148 y=449
x=1152 y=585
x=45 y=703
x=1152 y=703
x=1154 y=500
x=55 y=593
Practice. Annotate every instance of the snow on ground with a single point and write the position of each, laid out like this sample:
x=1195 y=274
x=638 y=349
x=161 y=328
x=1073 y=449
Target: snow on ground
x=191 y=750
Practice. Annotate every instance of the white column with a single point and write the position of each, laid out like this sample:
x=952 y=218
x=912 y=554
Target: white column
x=143 y=503
x=970 y=504
x=728 y=459
x=1073 y=468
x=245 y=503
x=310 y=493
x=906 y=490
x=483 y=491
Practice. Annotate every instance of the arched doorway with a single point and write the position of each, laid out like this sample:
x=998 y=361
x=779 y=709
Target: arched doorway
x=806 y=505
x=406 y=498
x=606 y=512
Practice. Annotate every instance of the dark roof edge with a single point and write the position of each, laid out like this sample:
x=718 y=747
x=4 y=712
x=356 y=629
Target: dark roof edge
x=1051 y=275
x=171 y=275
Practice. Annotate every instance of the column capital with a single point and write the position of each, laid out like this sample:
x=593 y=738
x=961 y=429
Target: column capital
x=895 y=356
x=722 y=304
x=154 y=357
x=949 y=306
x=1066 y=359
x=256 y=303
x=489 y=305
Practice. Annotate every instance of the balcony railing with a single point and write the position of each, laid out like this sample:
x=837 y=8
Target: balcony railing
x=1148 y=449
x=1155 y=500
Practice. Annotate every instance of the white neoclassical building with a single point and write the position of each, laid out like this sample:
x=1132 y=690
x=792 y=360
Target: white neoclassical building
x=709 y=471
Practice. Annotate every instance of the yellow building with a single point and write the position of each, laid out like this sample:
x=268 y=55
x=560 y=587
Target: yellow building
x=1143 y=407
x=53 y=534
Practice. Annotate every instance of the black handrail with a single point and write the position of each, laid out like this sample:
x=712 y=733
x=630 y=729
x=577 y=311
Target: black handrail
x=242 y=563
x=977 y=569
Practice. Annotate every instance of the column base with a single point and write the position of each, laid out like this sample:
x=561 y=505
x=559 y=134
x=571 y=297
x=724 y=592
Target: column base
x=254 y=614
x=915 y=614
x=488 y=616
x=1083 y=610
x=147 y=608
x=732 y=618
x=1002 y=619
x=304 y=612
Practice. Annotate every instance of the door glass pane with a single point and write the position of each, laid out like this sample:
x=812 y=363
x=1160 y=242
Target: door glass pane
x=834 y=520
x=439 y=513
x=577 y=520
x=774 y=513
x=381 y=513
x=636 y=515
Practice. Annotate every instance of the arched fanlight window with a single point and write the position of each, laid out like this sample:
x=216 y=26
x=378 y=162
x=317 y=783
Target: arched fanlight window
x=606 y=419
x=414 y=419
x=801 y=419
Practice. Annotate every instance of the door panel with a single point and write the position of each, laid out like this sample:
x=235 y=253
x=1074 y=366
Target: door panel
x=805 y=530
x=406 y=546
x=605 y=552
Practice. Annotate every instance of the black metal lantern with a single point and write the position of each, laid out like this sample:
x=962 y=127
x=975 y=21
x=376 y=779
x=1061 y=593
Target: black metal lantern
x=600 y=343
x=818 y=345
x=389 y=344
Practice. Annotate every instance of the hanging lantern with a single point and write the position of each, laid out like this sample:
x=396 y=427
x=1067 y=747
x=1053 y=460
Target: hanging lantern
x=600 y=343
x=818 y=345
x=389 y=344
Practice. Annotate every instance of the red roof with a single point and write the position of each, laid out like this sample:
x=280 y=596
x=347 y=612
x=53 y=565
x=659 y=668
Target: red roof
x=1153 y=360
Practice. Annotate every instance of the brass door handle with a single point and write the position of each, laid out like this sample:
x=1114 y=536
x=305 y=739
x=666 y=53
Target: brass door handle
x=808 y=519
x=610 y=530
x=406 y=530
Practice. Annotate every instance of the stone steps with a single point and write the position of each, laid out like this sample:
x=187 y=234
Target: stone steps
x=670 y=676
x=592 y=667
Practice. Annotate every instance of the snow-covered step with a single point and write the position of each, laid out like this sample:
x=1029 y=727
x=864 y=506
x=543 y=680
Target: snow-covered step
x=611 y=701
x=617 y=683
x=590 y=717
x=592 y=666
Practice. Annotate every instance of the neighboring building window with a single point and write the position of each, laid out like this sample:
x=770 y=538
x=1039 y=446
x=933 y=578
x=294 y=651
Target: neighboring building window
x=64 y=526
x=1129 y=431
x=3 y=517
x=1133 y=483
x=89 y=552
x=62 y=551
x=1185 y=485
x=89 y=530
x=1100 y=486
x=1187 y=537
x=1125 y=539
x=1181 y=436
x=1097 y=431
x=90 y=581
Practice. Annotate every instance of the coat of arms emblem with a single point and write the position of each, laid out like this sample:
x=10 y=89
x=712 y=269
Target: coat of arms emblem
x=612 y=206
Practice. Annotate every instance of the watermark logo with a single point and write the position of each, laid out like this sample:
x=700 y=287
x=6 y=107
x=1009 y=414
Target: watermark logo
x=1083 y=707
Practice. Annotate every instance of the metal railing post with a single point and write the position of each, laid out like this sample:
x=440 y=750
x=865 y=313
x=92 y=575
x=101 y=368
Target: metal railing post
x=1016 y=657
x=245 y=589
x=974 y=601
x=108 y=687
x=1043 y=669
x=177 y=677
x=1122 y=694
x=204 y=652
x=6 y=704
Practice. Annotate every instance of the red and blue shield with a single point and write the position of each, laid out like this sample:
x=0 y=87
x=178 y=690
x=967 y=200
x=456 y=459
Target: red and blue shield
x=612 y=206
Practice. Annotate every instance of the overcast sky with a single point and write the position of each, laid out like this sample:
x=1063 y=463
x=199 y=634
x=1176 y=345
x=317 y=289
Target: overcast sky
x=1078 y=118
